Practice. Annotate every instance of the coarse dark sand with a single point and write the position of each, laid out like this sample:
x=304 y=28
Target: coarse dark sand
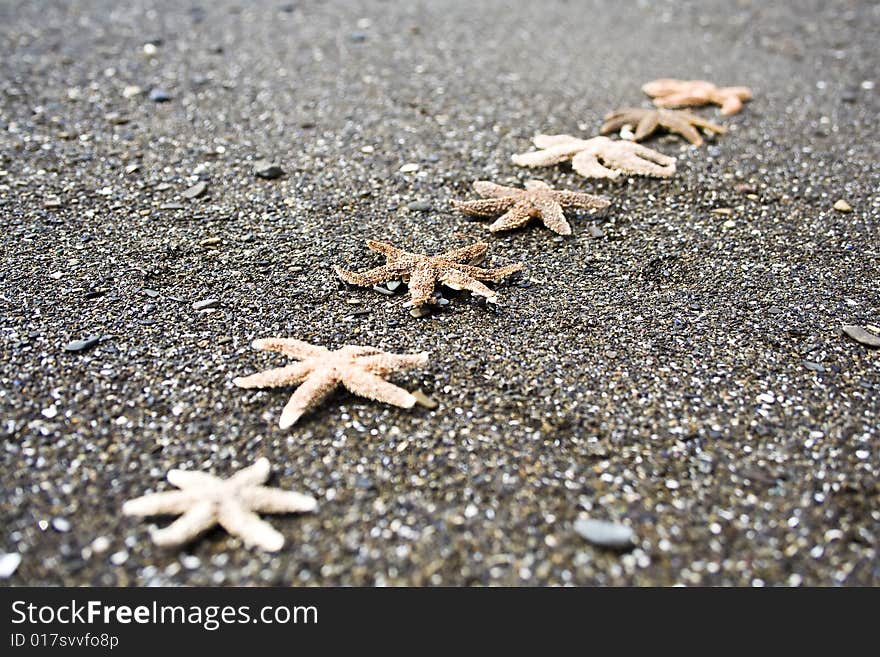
x=684 y=375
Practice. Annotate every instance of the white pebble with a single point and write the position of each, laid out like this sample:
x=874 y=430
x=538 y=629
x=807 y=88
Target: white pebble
x=8 y=564
x=190 y=561
x=119 y=558
x=61 y=525
x=100 y=544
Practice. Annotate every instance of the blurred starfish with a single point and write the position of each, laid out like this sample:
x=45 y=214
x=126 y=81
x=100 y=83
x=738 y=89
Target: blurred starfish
x=598 y=157
x=646 y=121
x=320 y=371
x=518 y=206
x=452 y=268
x=205 y=500
x=692 y=93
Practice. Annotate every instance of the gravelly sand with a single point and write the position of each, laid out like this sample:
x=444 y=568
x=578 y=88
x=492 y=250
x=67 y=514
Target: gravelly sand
x=684 y=374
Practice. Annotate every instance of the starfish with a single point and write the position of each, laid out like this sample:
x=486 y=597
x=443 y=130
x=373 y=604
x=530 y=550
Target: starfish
x=423 y=272
x=692 y=93
x=518 y=206
x=646 y=121
x=320 y=371
x=205 y=500
x=598 y=157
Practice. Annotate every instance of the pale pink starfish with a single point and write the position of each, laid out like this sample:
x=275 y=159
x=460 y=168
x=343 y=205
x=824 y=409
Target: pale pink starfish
x=205 y=500
x=518 y=206
x=598 y=157
x=320 y=371
x=668 y=92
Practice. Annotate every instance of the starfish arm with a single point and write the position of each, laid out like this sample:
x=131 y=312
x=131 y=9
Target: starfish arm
x=273 y=500
x=743 y=93
x=312 y=392
x=636 y=159
x=730 y=105
x=684 y=99
x=250 y=476
x=681 y=125
x=518 y=215
x=548 y=156
x=695 y=119
x=289 y=347
x=491 y=190
x=459 y=280
x=587 y=164
x=695 y=89
x=384 y=364
x=646 y=125
x=614 y=121
x=249 y=527
x=187 y=479
x=678 y=100
x=159 y=504
x=466 y=253
x=552 y=216
x=365 y=384
x=275 y=378
x=489 y=274
x=658 y=164
x=537 y=185
x=367 y=278
x=421 y=285
x=385 y=249
x=549 y=141
x=487 y=207
x=662 y=87
x=196 y=520
x=580 y=200
x=358 y=351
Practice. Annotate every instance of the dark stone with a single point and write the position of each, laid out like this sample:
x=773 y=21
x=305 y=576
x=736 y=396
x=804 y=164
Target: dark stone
x=158 y=95
x=267 y=170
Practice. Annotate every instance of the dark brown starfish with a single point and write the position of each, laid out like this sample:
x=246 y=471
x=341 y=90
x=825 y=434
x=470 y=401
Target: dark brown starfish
x=423 y=272
x=646 y=122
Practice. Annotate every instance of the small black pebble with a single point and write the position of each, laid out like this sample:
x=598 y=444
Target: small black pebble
x=266 y=170
x=159 y=95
